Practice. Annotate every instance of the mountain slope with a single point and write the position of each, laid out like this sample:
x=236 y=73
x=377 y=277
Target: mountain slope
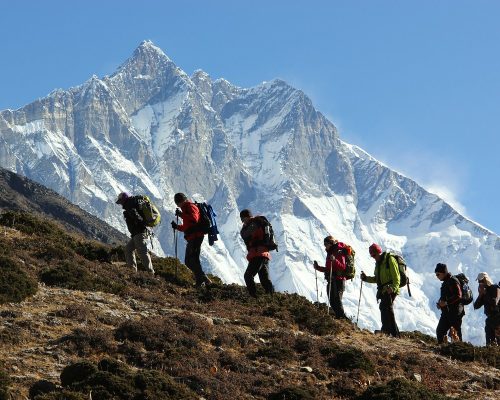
x=22 y=194
x=150 y=128
x=98 y=329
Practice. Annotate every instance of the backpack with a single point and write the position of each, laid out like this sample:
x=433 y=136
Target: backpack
x=403 y=274
x=269 y=240
x=148 y=211
x=467 y=295
x=207 y=223
x=350 y=268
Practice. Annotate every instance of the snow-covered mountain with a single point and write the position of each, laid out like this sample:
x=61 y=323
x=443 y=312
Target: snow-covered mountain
x=150 y=128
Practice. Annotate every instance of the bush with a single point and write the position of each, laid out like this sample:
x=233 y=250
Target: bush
x=419 y=336
x=41 y=387
x=29 y=224
x=77 y=372
x=173 y=271
x=275 y=350
x=113 y=380
x=90 y=341
x=467 y=352
x=62 y=395
x=4 y=386
x=304 y=313
x=400 y=389
x=347 y=359
x=68 y=276
x=293 y=393
x=15 y=284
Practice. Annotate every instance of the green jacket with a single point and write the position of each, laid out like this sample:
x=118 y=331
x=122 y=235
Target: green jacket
x=386 y=274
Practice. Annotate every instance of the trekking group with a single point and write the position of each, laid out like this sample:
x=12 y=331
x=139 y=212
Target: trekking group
x=390 y=273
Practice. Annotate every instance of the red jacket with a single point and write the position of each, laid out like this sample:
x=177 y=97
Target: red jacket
x=335 y=261
x=253 y=234
x=190 y=217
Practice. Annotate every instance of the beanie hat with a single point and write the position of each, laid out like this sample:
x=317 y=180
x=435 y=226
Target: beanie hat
x=440 y=267
x=375 y=249
x=246 y=213
x=179 y=198
x=122 y=197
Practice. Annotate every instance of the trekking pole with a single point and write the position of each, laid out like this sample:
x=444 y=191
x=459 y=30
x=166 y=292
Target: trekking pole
x=329 y=291
x=317 y=293
x=359 y=301
x=175 y=245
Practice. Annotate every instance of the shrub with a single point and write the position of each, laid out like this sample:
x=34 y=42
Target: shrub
x=41 y=387
x=173 y=271
x=62 y=395
x=90 y=341
x=293 y=393
x=77 y=372
x=15 y=284
x=304 y=313
x=419 y=336
x=4 y=386
x=68 y=276
x=347 y=359
x=78 y=312
x=275 y=350
x=29 y=224
x=94 y=251
x=467 y=352
x=400 y=389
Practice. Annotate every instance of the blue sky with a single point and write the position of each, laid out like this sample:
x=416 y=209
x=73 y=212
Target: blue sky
x=414 y=83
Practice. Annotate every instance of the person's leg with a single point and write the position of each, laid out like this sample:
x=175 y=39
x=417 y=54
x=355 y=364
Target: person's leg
x=389 y=325
x=129 y=254
x=264 y=276
x=141 y=245
x=489 y=329
x=442 y=327
x=253 y=268
x=337 y=294
x=192 y=260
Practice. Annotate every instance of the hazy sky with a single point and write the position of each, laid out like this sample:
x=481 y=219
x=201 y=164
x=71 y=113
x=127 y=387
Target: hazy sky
x=414 y=83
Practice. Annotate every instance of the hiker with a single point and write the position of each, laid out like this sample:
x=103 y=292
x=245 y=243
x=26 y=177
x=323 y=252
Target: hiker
x=489 y=297
x=387 y=278
x=190 y=215
x=334 y=265
x=139 y=232
x=450 y=304
x=258 y=255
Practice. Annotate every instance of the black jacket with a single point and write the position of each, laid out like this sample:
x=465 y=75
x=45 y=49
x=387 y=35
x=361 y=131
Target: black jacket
x=490 y=300
x=451 y=292
x=133 y=218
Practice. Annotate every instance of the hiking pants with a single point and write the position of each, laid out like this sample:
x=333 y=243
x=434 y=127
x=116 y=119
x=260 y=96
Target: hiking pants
x=492 y=323
x=139 y=243
x=258 y=265
x=448 y=319
x=336 y=293
x=389 y=325
x=192 y=259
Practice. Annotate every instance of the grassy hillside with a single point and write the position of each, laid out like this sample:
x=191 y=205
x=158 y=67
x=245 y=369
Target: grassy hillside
x=77 y=324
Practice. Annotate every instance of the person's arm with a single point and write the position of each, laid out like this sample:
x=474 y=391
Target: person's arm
x=318 y=267
x=454 y=292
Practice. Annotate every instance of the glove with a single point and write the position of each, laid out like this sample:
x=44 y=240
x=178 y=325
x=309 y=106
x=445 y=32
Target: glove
x=174 y=225
x=315 y=265
x=363 y=276
x=178 y=212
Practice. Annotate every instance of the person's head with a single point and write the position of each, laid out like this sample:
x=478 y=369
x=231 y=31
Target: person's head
x=329 y=241
x=245 y=215
x=375 y=251
x=179 y=199
x=484 y=278
x=441 y=271
x=122 y=197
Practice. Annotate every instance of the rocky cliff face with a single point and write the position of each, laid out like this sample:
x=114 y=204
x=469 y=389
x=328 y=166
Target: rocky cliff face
x=151 y=128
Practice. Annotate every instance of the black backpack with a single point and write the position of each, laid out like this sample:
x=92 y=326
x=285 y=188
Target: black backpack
x=269 y=241
x=467 y=295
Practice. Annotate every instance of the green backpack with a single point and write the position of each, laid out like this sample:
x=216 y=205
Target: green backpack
x=403 y=274
x=148 y=211
x=350 y=268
